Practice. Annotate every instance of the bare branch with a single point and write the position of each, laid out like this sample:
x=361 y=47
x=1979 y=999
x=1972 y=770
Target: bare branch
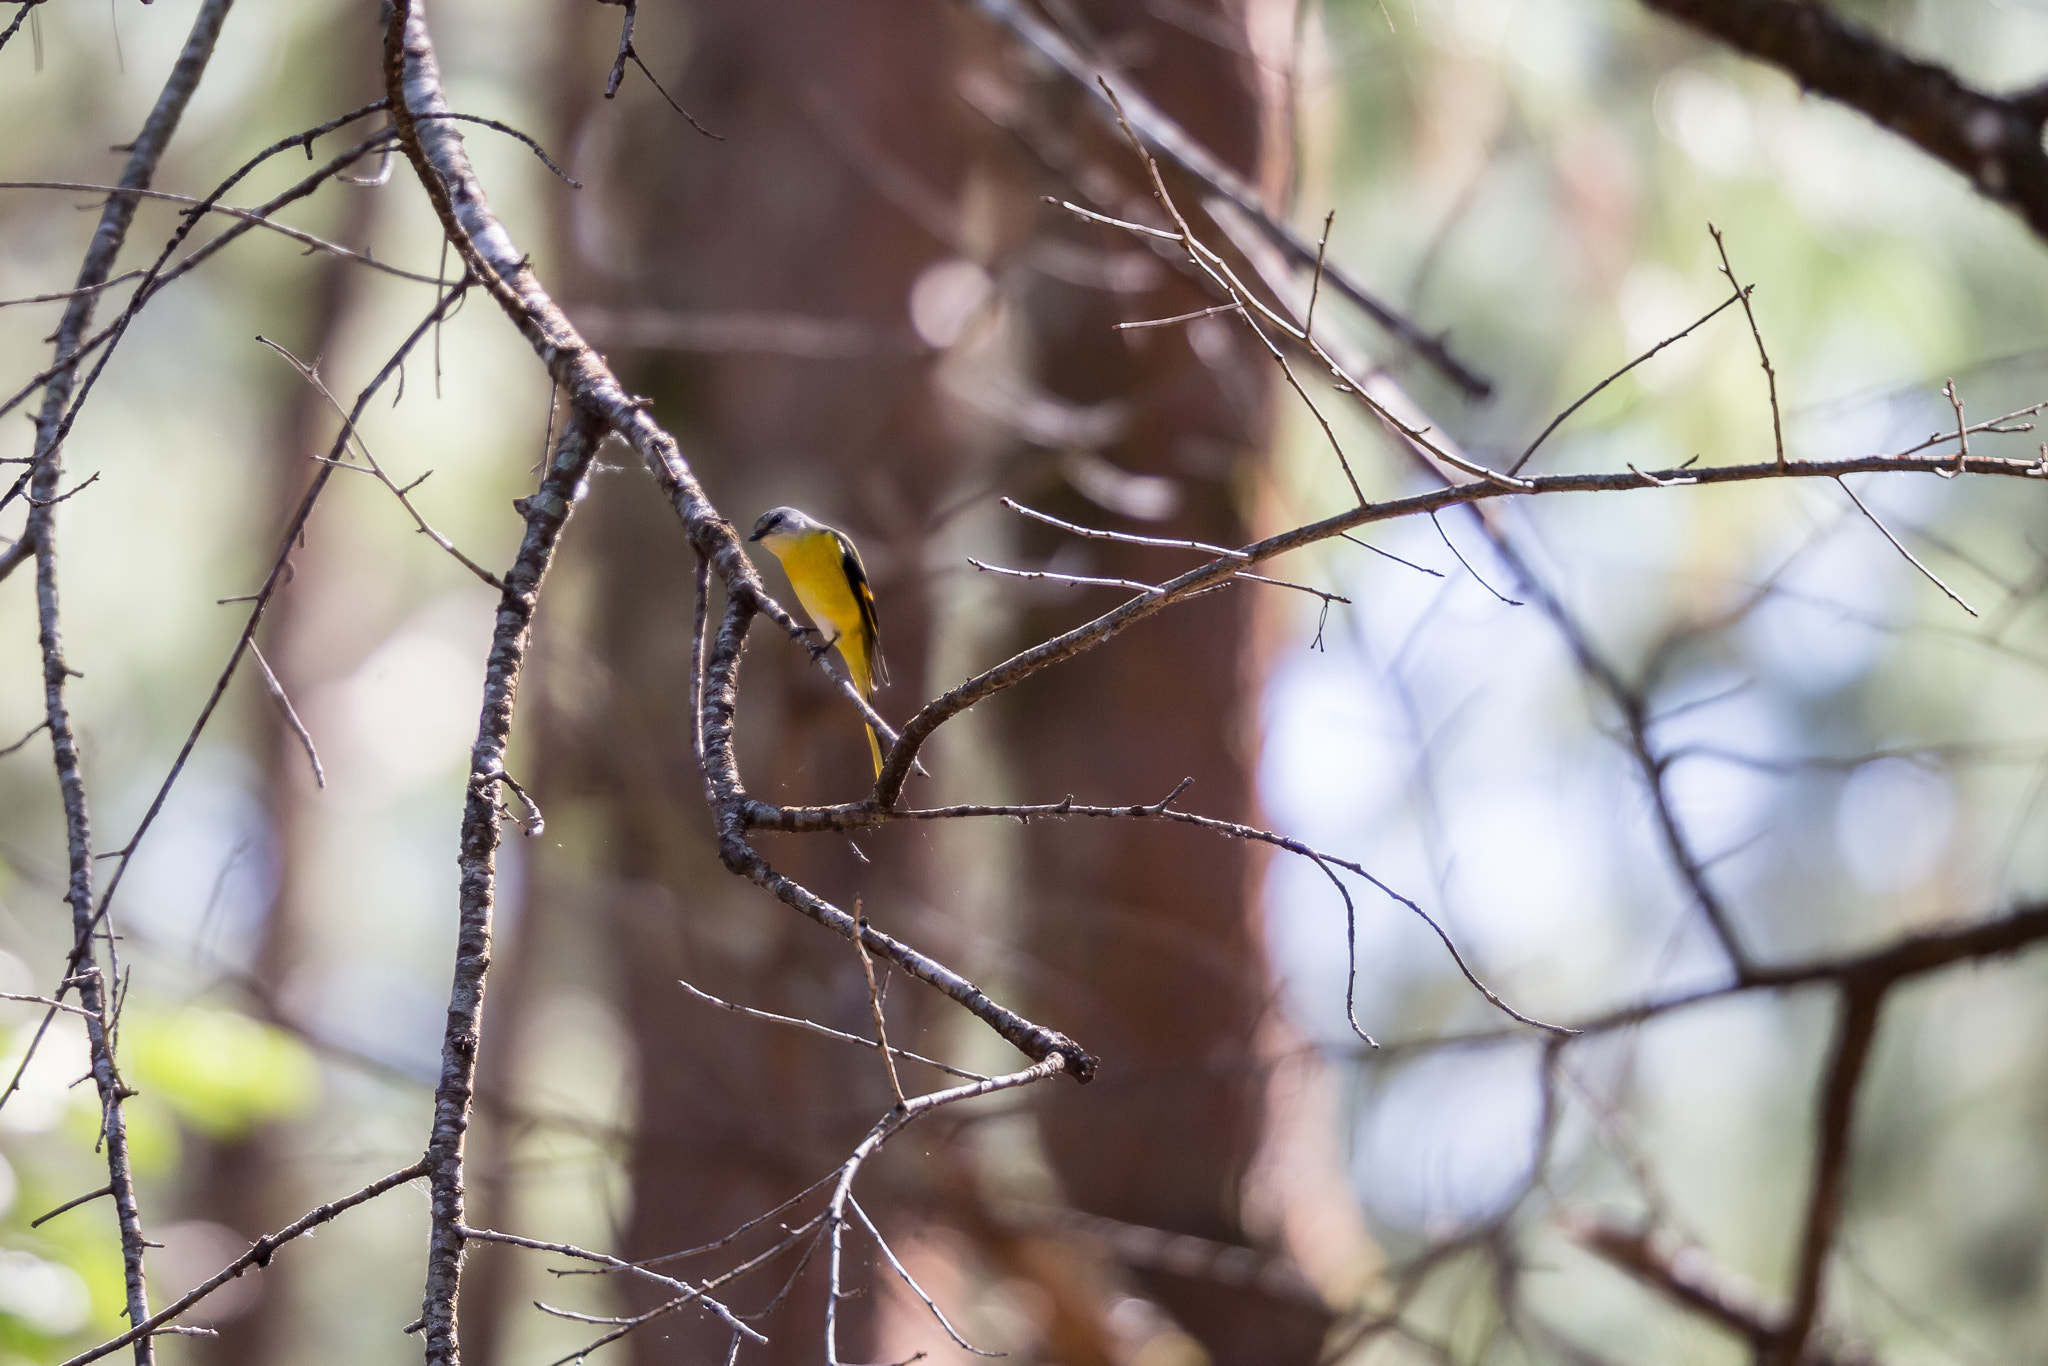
x=1855 y=1027
x=67 y=1009
x=890 y=1125
x=1910 y=956
x=122 y=278
x=867 y=967
x=1583 y=399
x=1994 y=142
x=291 y=717
x=691 y=1293
x=546 y=511
x=911 y=1281
x=1159 y=133
x=15 y=24
x=1911 y=559
x=60 y=406
x=1121 y=537
x=250 y=220
x=271 y=583
x=827 y=1031
x=799 y=820
x=354 y=434
x=259 y=1254
x=1763 y=354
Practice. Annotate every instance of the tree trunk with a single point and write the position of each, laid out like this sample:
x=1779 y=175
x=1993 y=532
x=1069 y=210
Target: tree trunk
x=864 y=189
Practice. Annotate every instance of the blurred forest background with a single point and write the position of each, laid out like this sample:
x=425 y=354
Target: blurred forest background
x=858 y=302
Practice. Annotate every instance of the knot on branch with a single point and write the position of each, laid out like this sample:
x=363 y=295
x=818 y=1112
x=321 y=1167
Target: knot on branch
x=1081 y=1064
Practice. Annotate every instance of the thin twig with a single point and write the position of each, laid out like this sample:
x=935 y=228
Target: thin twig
x=249 y=221
x=1075 y=580
x=1583 y=399
x=1762 y=352
x=692 y=1292
x=798 y=820
x=37 y=729
x=291 y=717
x=1158 y=132
x=1121 y=537
x=1308 y=318
x=727 y=1239
x=247 y=218
x=826 y=1030
x=54 y=1005
x=271 y=583
x=1955 y=400
x=867 y=967
x=1466 y=564
x=1177 y=318
x=1911 y=559
x=259 y=1254
x=627 y=52
x=66 y=496
x=911 y=1281
x=89 y=1196
x=890 y=1125
x=371 y=467
x=509 y=131
x=122 y=278
x=1390 y=555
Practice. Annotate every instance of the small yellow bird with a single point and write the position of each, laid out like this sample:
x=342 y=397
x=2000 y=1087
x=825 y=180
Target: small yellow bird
x=832 y=585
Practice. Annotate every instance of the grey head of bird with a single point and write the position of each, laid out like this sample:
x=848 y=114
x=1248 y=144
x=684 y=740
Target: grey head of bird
x=782 y=522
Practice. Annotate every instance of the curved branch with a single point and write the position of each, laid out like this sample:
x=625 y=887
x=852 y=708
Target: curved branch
x=1088 y=635
x=1994 y=141
x=434 y=146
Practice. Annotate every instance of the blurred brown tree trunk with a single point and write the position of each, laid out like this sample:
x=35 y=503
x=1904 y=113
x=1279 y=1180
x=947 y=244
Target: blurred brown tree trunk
x=734 y=1118
x=1151 y=935
x=860 y=153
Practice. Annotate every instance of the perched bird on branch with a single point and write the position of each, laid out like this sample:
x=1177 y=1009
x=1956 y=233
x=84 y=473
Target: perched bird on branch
x=832 y=585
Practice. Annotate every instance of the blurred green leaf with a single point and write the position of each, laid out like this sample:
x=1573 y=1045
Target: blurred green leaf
x=221 y=1072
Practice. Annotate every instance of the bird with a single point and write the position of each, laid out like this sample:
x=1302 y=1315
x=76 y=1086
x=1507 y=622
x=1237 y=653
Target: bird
x=832 y=585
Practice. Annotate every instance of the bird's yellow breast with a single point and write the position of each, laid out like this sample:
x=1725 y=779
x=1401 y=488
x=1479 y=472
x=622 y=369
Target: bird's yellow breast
x=817 y=571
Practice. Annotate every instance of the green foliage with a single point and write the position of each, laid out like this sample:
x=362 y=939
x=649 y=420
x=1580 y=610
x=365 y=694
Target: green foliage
x=220 y=1072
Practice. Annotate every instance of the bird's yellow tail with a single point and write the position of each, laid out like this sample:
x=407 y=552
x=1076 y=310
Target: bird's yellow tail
x=875 y=748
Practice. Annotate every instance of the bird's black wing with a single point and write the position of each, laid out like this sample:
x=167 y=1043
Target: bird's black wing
x=871 y=626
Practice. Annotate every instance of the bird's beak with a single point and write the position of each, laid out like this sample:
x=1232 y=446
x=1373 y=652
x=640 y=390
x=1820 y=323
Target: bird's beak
x=757 y=536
